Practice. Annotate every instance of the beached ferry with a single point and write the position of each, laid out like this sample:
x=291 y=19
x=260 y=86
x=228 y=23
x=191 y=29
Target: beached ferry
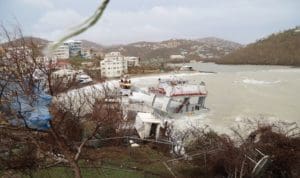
x=173 y=98
x=181 y=95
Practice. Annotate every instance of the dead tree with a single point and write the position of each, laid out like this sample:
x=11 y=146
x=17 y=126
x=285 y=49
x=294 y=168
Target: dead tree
x=63 y=141
x=237 y=155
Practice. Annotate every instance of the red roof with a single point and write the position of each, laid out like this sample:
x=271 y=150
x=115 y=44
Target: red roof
x=63 y=62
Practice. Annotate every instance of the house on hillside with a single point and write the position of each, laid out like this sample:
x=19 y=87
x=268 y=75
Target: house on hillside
x=177 y=57
x=62 y=52
x=132 y=61
x=75 y=47
x=113 y=65
x=86 y=53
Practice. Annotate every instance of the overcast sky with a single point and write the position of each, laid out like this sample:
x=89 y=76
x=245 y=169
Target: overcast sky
x=127 y=21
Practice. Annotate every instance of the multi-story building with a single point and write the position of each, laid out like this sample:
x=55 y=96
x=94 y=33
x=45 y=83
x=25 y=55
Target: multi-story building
x=86 y=53
x=113 y=65
x=132 y=61
x=74 y=47
x=62 y=52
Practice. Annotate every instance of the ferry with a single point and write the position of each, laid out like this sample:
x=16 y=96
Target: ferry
x=173 y=98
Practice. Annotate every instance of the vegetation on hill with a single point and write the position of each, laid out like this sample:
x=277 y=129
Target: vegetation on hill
x=28 y=40
x=199 y=49
x=92 y=45
x=204 y=49
x=277 y=49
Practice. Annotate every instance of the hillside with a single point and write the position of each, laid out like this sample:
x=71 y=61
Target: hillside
x=28 y=40
x=207 y=49
x=277 y=49
x=92 y=45
x=200 y=49
x=42 y=43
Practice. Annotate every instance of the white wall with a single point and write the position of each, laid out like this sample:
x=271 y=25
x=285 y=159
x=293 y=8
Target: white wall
x=62 y=52
x=113 y=65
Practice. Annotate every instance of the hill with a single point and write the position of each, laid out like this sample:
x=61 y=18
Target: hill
x=92 y=45
x=208 y=49
x=201 y=49
x=28 y=40
x=277 y=49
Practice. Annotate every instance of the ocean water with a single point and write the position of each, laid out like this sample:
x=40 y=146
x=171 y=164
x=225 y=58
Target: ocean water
x=239 y=93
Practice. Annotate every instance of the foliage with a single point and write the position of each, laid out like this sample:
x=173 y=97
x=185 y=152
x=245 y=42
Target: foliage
x=220 y=156
x=76 y=61
x=277 y=49
x=62 y=141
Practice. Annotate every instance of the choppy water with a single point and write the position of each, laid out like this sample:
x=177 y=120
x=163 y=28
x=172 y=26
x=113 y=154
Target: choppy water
x=236 y=92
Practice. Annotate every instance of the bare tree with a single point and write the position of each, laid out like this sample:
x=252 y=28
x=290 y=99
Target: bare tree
x=63 y=140
x=221 y=155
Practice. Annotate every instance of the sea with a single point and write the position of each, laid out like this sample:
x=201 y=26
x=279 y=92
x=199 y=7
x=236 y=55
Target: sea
x=240 y=97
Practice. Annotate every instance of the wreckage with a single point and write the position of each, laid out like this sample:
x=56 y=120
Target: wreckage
x=171 y=99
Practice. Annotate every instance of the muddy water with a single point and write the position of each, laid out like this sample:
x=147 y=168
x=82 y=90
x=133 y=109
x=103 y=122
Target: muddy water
x=237 y=92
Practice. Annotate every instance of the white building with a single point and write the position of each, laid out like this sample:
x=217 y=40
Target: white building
x=67 y=75
x=147 y=125
x=86 y=53
x=74 y=47
x=113 y=65
x=69 y=49
x=177 y=57
x=132 y=61
x=62 y=52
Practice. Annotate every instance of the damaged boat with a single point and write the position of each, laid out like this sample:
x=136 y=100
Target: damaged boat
x=171 y=99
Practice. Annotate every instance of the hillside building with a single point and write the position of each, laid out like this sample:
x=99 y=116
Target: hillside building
x=113 y=65
x=62 y=52
x=86 y=53
x=177 y=57
x=74 y=47
x=132 y=61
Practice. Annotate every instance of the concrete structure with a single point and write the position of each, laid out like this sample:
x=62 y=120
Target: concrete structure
x=62 y=52
x=147 y=125
x=86 y=53
x=132 y=61
x=177 y=57
x=66 y=75
x=113 y=65
x=75 y=47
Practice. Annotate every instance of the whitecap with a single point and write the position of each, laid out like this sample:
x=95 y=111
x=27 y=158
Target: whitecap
x=259 y=82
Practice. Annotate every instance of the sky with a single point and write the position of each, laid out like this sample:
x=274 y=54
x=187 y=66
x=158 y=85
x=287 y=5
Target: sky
x=127 y=21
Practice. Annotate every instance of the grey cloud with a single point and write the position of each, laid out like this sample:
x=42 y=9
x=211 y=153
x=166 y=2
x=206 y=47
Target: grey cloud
x=128 y=21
